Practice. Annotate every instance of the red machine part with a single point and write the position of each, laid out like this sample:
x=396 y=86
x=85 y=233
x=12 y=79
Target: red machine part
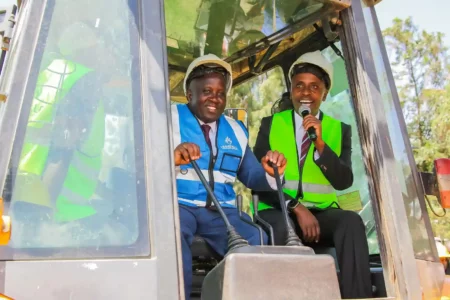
x=442 y=167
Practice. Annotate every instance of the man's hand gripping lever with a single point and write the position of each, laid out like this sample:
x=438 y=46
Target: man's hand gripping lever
x=291 y=238
x=234 y=239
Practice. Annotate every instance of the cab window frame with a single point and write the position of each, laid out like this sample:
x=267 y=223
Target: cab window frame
x=141 y=247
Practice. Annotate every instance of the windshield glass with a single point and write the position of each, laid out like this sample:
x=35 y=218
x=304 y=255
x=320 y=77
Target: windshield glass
x=261 y=95
x=339 y=105
x=200 y=27
x=76 y=177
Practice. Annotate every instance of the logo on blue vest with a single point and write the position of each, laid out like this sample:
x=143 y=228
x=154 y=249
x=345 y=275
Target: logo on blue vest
x=229 y=144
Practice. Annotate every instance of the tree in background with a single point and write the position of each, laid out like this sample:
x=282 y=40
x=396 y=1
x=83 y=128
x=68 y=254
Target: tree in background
x=257 y=96
x=421 y=67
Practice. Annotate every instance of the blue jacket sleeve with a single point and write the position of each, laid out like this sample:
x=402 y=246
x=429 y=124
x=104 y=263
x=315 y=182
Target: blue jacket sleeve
x=252 y=174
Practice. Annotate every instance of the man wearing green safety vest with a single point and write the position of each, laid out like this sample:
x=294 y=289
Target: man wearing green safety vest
x=65 y=133
x=316 y=168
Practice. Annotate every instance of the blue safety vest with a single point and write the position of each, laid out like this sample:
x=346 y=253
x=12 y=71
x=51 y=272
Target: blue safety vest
x=231 y=142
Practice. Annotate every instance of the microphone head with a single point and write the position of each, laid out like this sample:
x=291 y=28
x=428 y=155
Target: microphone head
x=304 y=110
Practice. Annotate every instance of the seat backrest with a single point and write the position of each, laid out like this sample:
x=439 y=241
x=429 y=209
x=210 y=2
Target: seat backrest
x=284 y=103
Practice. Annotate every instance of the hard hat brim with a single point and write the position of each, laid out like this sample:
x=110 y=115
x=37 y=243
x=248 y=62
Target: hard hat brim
x=209 y=59
x=314 y=58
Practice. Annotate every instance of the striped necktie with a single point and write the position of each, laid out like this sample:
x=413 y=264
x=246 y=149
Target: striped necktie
x=306 y=142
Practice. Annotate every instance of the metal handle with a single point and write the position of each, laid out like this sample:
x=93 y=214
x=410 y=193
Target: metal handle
x=234 y=239
x=241 y=216
x=265 y=224
x=291 y=238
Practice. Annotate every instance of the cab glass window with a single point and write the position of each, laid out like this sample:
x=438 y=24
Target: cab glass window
x=75 y=187
x=256 y=97
x=409 y=183
x=198 y=27
x=339 y=106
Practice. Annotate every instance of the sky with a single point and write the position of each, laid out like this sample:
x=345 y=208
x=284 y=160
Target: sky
x=426 y=14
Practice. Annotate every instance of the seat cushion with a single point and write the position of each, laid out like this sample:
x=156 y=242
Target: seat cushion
x=200 y=248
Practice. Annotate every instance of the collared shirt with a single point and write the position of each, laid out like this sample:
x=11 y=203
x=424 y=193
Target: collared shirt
x=300 y=132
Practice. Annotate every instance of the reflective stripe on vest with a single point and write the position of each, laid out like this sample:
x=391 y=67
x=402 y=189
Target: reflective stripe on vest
x=52 y=85
x=219 y=177
x=201 y=203
x=231 y=139
x=317 y=190
x=81 y=179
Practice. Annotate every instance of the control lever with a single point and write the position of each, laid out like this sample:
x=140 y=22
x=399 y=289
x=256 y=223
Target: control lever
x=241 y=216
x=291 y=237
x=234 y=239
x=266 y=225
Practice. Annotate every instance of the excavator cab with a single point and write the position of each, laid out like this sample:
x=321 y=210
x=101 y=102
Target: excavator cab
x=86 y=176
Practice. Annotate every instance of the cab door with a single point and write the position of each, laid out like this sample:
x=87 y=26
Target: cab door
x=84 y=159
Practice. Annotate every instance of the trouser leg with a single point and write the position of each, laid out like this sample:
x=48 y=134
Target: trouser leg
x=275 y=218
x=212 y=228
x=188 y=225
x=345 y=230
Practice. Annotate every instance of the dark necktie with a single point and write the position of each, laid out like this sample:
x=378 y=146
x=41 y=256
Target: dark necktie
x=306 y=142
x=206 y=129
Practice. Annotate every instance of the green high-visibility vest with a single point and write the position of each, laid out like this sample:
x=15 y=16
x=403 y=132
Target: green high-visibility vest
x=316 y=189
x=81 y=178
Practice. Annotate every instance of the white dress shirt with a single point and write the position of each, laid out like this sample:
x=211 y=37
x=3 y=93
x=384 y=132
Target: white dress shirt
x=299 y=133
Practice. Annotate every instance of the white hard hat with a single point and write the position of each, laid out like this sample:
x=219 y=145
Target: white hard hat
x=315 y=58
x=75 y=37
x=205 y=60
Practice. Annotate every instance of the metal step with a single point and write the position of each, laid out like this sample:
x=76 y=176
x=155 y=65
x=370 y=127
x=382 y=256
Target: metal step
x=266 y=272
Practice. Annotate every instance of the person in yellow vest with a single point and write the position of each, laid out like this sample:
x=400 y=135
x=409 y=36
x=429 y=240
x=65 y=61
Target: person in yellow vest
x=316 y=168
x=62 y=150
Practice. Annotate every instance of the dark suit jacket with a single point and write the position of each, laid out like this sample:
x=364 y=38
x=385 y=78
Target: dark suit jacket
x=337 y=169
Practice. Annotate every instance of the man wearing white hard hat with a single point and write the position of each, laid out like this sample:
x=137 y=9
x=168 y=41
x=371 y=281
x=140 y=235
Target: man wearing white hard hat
x=318 y=149
x=219 y=145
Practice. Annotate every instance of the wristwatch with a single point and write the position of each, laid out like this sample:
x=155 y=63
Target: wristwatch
x=292 y=204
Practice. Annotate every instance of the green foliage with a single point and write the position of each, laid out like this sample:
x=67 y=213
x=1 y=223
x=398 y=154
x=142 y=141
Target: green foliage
x=420 y=65
x=421 y=68
x=440 y=225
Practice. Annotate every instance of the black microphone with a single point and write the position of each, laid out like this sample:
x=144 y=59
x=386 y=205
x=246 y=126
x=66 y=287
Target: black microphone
x=304 y=111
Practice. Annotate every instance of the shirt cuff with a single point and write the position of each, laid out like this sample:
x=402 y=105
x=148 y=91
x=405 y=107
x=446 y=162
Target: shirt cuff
x=316 y=155
x=272 y=182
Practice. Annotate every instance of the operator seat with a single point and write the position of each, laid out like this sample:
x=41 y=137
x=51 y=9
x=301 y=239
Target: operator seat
x=204 y=259
x=282 y=104
x=200 y=248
